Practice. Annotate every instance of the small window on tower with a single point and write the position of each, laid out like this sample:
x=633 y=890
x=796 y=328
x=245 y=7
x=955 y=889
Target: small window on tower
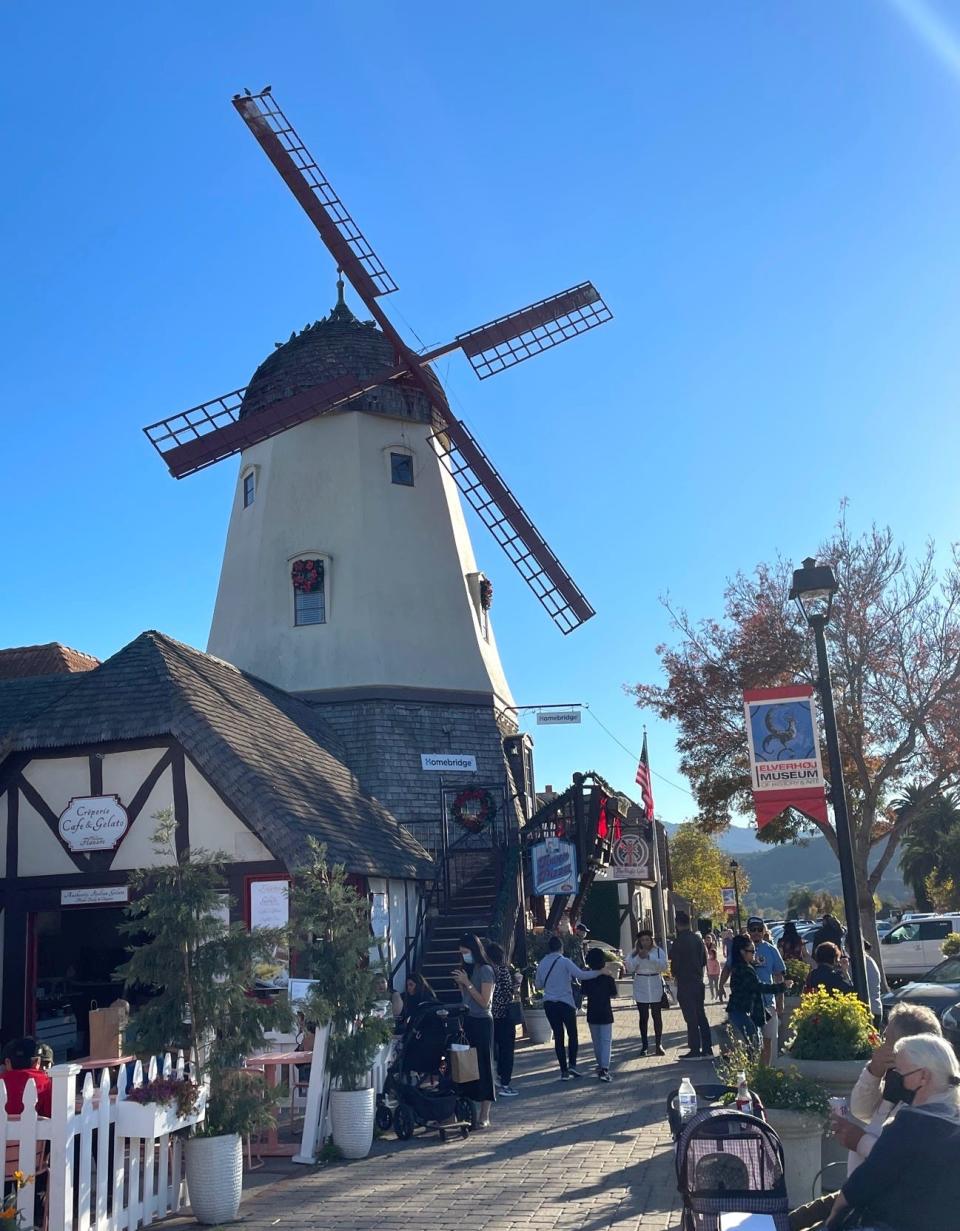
x=401 y=469
x=309 y=597
x=249 y=488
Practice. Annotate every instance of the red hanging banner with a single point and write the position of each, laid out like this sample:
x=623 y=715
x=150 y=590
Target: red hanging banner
x=784 y=746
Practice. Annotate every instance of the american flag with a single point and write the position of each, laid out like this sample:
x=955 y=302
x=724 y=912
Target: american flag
x=644 y=781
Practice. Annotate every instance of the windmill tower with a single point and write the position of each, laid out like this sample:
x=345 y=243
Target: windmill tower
x=348 y=575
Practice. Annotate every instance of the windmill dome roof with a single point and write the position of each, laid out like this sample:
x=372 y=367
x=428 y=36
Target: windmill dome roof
x=337 y=345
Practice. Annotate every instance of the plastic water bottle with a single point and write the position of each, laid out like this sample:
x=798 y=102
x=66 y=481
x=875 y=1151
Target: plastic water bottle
x=686 y=1100
x=744 y=1100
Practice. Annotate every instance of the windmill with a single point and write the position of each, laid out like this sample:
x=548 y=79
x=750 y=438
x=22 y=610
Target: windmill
x=216 y=429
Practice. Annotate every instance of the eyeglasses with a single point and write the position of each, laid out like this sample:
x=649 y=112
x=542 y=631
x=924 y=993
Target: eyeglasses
x=748 y=949
x=758 y=930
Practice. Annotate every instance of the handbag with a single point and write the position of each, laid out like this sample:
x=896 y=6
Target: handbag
x=464 y=1063
x=665 y=996
x=515 y=1013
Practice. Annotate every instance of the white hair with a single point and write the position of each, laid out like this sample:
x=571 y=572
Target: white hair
x=930 y=1052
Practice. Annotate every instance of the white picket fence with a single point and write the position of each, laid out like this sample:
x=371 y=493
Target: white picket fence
x=96 y=1178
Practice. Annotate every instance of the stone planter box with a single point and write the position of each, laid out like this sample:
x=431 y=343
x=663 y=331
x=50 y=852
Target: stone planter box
x=800 y=1134
x=538 y=1028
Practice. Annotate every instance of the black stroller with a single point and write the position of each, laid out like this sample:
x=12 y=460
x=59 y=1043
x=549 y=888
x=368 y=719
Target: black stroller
x=418 y=1091
x=728 y=1161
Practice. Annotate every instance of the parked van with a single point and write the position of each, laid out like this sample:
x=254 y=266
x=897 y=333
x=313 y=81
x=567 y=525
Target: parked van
x=913 y=946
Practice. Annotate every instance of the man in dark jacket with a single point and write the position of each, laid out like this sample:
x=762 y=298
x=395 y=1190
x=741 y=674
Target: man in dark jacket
x=688 y=960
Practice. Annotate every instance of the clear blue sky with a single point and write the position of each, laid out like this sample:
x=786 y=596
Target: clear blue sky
x=766 y=194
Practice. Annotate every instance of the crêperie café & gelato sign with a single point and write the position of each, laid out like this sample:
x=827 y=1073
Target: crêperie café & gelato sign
x=93 y=822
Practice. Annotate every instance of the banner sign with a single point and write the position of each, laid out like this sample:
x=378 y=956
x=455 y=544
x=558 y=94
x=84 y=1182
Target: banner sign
x=784 y=747
x=554 y=865
x=629 y=858
x=729 y=900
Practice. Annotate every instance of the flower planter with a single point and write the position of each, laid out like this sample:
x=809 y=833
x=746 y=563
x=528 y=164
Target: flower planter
x=838 y=1077
x=154 y=1119
x=215 y=1177
x=537 y=1026
x=351 y=1115
x=800 y=1134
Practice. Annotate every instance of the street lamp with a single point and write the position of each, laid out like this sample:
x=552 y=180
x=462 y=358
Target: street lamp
x=813 y=588
x=734 y=867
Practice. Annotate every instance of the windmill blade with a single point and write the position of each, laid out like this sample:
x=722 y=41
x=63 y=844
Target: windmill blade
x=346 y=242
x=504 y=517
x=207 y=433
x=509 y=340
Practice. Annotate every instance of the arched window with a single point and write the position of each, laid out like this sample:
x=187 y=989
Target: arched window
x=308 y=577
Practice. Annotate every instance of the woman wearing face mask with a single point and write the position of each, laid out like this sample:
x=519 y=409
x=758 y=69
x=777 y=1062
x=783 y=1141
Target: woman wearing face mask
x=476 y=980
x=911 y=1180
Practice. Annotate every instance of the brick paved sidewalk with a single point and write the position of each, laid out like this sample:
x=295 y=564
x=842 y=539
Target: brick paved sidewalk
x=582 y=1156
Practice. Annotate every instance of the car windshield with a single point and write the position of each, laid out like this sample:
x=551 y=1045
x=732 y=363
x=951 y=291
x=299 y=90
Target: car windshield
x=946 y=972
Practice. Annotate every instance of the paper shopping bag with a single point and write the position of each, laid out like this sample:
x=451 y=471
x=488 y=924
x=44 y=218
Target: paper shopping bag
x=107 y=1028
x=464 y=1065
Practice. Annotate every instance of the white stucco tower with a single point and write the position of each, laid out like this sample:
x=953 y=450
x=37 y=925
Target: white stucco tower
x=348 y=576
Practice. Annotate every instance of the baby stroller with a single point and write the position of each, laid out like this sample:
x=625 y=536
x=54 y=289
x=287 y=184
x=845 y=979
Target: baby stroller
x=728 y=1161
x=417 y=1091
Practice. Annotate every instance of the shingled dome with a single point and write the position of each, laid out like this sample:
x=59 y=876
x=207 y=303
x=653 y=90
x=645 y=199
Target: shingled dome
x=337 y=345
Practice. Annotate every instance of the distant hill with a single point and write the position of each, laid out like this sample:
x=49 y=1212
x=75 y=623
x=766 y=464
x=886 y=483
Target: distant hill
x=775 y=870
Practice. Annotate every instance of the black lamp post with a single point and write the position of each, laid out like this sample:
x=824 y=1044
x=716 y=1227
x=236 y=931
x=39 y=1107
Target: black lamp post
x=734 y=866
x=813 y=588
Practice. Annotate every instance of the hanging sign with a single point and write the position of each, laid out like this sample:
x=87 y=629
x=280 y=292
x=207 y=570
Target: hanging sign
x=93 y=822
x=729 y=900
x=556 y=718
x=451 y=762
x=554 y=865
x=784 y=747
x=629 y=858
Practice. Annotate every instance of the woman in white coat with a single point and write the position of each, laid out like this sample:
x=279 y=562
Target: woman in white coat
x=648 y=964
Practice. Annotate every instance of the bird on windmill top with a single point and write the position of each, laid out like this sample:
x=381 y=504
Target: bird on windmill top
x=205 y=434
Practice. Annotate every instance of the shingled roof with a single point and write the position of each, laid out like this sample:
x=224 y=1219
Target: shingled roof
x=22 y=661
x=271 y=756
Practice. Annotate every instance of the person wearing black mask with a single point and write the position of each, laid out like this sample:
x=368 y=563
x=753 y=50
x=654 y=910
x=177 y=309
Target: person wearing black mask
x=876 y=1096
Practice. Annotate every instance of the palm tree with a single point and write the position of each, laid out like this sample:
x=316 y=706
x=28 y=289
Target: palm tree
x=922 y=845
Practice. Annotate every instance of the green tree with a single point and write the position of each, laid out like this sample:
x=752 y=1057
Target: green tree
x=332 y=922
x=925 y=843
x=894 y=646
x=199 y=969
x=700 y=869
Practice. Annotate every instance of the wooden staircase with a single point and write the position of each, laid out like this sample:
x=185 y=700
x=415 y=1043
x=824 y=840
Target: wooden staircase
x=470 y=910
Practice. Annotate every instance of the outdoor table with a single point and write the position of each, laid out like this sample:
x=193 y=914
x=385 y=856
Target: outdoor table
x=272 y=1063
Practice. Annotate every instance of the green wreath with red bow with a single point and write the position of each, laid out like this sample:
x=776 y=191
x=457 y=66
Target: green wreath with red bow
x=473 y=808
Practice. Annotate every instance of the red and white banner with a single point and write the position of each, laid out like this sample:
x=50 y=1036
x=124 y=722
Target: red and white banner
x=784 y=745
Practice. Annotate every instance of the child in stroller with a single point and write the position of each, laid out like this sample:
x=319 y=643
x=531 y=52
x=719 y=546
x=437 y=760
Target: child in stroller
x=418 y=1091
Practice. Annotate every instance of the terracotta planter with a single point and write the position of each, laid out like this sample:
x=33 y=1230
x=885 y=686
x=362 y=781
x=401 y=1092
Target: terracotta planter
x=538 y=1028
x=800 y=1134
x=351 y=1116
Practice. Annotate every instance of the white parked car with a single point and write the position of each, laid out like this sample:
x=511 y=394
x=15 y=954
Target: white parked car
x=913 y=947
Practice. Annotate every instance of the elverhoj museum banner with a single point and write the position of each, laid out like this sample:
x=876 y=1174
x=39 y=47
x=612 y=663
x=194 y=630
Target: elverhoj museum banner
x=784 y=747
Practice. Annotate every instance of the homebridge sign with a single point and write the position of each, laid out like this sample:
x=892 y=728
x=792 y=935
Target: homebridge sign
x=93 y=822
x=451 y=762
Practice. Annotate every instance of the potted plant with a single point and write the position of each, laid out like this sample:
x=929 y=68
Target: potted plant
x=795 y=1106
x=794 y=979
x=199 y=969
x=534 y=1017
x=327 y=909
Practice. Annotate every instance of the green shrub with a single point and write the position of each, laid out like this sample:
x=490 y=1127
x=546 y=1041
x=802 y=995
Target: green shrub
x=832 y=1026
x=797 y=972
x=783 y=1089
x=951 y=945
